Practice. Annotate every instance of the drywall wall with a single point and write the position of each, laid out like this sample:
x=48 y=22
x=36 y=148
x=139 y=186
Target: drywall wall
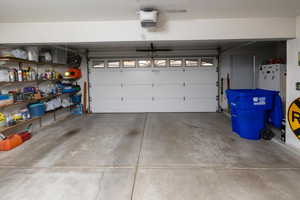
x=84 y=78
x=198 y=29
x=260 y=54
x=293 y=76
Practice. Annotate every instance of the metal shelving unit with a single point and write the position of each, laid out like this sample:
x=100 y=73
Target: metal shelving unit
x=21 y=123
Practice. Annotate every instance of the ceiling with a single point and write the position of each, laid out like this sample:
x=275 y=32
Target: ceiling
x=98 y=10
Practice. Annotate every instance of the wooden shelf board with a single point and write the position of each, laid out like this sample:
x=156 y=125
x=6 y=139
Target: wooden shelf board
x=36 y=100
x=19 y=60
x=24 y=82
x=24 y=122
x=20 y=123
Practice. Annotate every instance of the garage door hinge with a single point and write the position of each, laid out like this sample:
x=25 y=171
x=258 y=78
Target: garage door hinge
x=217 y=83
x=217 y=98
x=90 y=99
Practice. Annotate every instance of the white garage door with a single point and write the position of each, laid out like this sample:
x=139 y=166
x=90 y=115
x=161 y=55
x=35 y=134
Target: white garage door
x=187 y=89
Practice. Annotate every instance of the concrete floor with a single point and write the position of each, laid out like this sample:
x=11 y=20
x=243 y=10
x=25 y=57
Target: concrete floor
x=156 y=156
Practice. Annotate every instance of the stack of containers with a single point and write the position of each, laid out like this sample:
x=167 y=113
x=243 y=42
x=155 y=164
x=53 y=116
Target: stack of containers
x=250 y=109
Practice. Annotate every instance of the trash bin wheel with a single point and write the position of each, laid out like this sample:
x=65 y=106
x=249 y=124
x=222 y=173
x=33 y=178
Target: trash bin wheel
x=267 y=134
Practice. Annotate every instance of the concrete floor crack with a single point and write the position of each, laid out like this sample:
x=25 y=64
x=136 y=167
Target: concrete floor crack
x=139 y=156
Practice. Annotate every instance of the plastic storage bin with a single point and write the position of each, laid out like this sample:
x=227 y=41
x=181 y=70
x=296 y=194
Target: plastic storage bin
x=77 y=110
x=37 y=110
x=76 y=99
x=249 y=110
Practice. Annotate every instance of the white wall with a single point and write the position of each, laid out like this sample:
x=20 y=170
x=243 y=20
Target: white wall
x=293 y=76
x=261 y=53
x=84 y=78
x=198 y=29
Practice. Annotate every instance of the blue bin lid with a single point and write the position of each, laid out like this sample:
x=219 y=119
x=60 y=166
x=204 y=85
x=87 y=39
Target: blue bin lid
x=251 y=91
x=36 y=105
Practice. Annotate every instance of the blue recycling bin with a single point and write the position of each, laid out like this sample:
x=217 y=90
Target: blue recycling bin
x=276 y=114
x=248 y=108
x=250 y=123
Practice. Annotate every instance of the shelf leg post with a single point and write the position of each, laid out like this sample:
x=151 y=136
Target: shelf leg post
x=54 y=115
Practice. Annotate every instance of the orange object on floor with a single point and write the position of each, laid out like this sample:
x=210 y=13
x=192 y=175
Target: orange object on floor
x=10 y=142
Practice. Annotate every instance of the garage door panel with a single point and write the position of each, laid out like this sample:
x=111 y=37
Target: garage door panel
x=137 y=90
x=137 y=75
x=105 y=76
x=175 y=104
x=206 y=75
x=166 y=90
x=107 y=104
x=203 y=91
x=201 y=105
x=154 y=90
x=107 y=91
x=168 y=104
x=167 y=75
x=126 y=105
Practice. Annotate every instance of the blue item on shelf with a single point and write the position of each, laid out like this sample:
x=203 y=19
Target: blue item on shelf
x=36 y=109
x=68 y=89
x=76 y=99
x=77 y=110
x=4 y=97
x=29 y=90
x=249 y=110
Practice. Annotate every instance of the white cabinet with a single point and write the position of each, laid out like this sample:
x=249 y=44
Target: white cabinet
x=273 y=77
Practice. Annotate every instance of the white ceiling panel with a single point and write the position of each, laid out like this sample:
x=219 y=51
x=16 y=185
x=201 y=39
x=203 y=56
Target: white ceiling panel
x=98 y=10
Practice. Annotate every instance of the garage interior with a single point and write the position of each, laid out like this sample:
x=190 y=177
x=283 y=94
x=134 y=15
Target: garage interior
x=143 y=114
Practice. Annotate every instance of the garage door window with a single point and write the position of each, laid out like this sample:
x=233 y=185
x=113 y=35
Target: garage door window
x=175 y=63
x=144 y=63
x=160 y=63
x=191 y=62
x=129 y=63
x=98 y=64
x=207 y=62
x=113 y=64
